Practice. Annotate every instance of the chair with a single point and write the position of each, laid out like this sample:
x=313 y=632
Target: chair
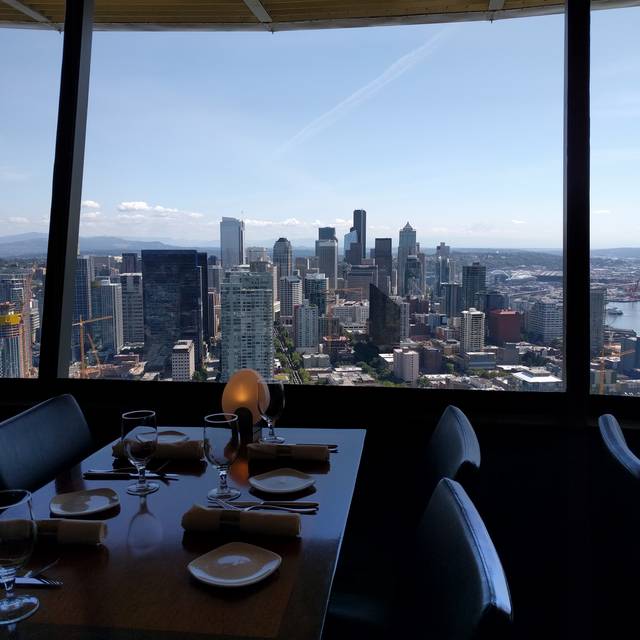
x=616 y=445
x=453 y=451
x=37 y=444
x=455 y=589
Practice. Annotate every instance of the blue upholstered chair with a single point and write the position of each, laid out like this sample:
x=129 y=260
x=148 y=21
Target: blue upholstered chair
x=37 y=444
x=455 y=587
x=616 y=445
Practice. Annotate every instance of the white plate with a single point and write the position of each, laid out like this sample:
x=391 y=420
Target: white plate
x=172 y=437
x=80 y=503
x=234 y=565
x=282 y=481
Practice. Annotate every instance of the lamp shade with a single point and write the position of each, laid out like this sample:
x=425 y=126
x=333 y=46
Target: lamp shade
x=246 y=388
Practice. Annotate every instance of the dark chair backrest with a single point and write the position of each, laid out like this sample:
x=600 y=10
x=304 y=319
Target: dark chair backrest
x=453 y=451
x=616 y=444
x=458 y=576
x=37 y=444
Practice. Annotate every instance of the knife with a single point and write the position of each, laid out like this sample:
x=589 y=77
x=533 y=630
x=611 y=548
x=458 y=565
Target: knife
x=38 y=582
x=98 y=474
x=276 y=503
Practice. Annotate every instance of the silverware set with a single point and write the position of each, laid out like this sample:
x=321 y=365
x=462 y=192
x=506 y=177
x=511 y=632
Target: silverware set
x=34 y=577
x=308 y=508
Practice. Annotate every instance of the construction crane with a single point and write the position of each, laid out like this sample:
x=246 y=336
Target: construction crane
x=602 y=356
x=81 y=323
x=95 y=355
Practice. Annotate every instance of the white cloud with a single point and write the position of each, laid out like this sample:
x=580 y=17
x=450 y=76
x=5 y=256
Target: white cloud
x=18 y=220
x=194 y=215
x=158 y=211
x=134 y=206
x=90 y=204
x=518 y=222
x=292 y=222
x=341 y=222
x=132 y=217
x=91 y=215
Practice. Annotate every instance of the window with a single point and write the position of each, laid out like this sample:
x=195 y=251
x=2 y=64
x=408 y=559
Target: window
x=615 y=197
x=283 y=202
x=29 y=77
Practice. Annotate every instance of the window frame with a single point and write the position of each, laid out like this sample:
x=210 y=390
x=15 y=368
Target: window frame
x=573 y=407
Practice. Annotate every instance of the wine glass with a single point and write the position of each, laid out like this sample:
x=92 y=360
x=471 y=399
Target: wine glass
x=139 y=438
x=273 y=411
x=17 y=537
x=145 y=531
x=221 y=444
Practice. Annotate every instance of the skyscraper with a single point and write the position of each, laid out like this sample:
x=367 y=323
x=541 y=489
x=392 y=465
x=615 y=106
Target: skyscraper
x=443 y=273
x=544 y=320
x=129 y=263
x=183 y=364
x=327 y=252
x=406 y=247
x=283 y=260
x=172 y=305
x=290 y=295
x=412 y=276
x=316 y=286
x=132 y=309
x=81 y=300
x=257 y=254
x=360 y=277
x=472 y=331
x=385 y=321
x=474 y=282
x=106 y=301
x=352 y=247
x=305 y=327
x=327 y=233
x=598 y=301
x=13 y=361
x=360 y=225
x=384 y=261
x=204 y=288
x=231 y=242
x=247 y=323
x=452 y=294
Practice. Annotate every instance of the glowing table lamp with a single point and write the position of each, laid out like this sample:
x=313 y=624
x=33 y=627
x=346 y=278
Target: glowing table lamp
x=247 y=395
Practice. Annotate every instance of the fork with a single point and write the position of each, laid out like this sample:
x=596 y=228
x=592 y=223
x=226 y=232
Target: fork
x=34 y=573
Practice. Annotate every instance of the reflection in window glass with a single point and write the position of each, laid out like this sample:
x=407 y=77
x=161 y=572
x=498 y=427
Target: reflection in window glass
x=29 y=77
x=284 y=202
x=615 y=202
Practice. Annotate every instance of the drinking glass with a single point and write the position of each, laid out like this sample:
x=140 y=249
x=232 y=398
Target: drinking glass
x=17 y=537
x=221 y=444
x=139 y=437
x=273 y=411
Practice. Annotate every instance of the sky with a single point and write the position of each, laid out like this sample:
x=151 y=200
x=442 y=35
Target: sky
x=454 y=128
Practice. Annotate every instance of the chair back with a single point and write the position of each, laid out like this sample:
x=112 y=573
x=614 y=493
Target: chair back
x=37 y=444
x=459 y=577
x=616 y=445
x=453 y=451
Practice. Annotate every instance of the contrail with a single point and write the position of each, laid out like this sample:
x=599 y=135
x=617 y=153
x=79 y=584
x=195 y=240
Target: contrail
x=394 y=71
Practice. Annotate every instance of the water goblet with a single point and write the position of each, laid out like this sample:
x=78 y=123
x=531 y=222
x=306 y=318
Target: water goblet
x=17 y=537
x=139 y=438
x=221 y=445
x=273 y=411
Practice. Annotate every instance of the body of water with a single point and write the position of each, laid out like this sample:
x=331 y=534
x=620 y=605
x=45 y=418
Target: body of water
x=630 y=318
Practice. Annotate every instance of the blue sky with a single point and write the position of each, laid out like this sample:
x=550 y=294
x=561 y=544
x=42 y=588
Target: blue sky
x=455 y=128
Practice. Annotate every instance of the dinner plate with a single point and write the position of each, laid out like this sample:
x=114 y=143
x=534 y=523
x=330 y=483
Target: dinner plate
x=282 y=481
x=172 y=437
x=235 y=564
x=81 y=503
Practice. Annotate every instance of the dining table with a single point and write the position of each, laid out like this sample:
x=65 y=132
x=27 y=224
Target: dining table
x=136 y=586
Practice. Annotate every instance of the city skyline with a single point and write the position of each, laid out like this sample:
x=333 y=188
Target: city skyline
x=287 y=169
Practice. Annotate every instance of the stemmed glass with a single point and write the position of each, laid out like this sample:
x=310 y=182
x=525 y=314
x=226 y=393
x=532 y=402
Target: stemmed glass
x=17 y=537
x=139 y=438
x=221 y=445
x=273 y=411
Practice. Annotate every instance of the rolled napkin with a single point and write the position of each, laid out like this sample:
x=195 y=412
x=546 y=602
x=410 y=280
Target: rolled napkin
x=72 y=531
x=188 y=450
x=204 y=520
x=267 y=451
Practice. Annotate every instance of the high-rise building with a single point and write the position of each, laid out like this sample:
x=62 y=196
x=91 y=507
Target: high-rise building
x=257 y=254
x=443 y=273
x=247 y=323
x=283 y=260
x=360 y=277
x=172 y=304
x=301 y=265
x=305 y=327
x=183 y=364
x=388 y=319
x=130 y=263
x=474 y=279
x=406 y=364
x=406 y=247
x=504 y=326
x=413 y=277
x=443 y=251
x=214 y=277
x=629 y=354
x=327 y=253
x=544 y=320
x=352 y=247
x=204 y=288
x=384 y=261
x=290 y=295
x=452 y=295
x=132 y=308
x=472 y=331
x=316 y=286
x=360 y=225
x=327 y=233
x=231 y=242
x=13 y=361
x=81 y=301
x=598 y=302
x=106 y=302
